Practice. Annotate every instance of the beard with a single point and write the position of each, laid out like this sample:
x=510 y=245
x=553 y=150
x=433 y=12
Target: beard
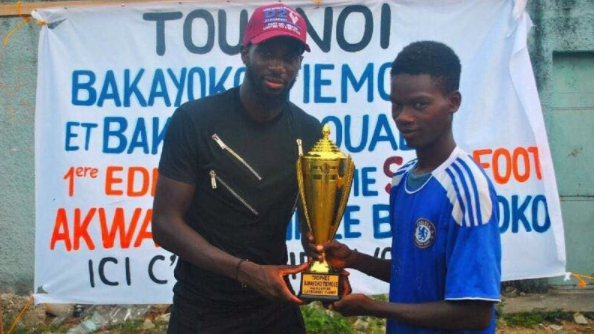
x=264 y=97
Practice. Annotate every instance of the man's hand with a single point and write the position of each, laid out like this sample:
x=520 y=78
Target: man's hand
x=312 y=250
x=269 y=280
x=338 y=255
x=352 y=305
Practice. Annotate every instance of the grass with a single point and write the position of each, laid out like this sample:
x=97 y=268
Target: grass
x=318 y=320
x=538 y=316
x=35 y=330
x=135 y=327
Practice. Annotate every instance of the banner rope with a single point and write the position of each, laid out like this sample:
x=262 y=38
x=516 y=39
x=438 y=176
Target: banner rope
x=26 y=19
x=16 y=320
x=580 y=278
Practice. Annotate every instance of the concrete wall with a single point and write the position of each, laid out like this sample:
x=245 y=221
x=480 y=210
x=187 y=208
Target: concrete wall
x=18 y=76
x=561 y=26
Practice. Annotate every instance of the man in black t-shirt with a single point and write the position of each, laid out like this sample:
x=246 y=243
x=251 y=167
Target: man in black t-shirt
x=227 y=189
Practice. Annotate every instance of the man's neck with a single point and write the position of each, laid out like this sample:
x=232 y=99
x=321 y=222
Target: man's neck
x=258 y=107
x=430 y=158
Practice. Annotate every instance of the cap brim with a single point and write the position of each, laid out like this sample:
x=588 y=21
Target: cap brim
x=272 y=34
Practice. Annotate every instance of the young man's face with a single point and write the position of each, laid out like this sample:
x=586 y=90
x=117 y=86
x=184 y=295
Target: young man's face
x=423 y=114
x=272 y=66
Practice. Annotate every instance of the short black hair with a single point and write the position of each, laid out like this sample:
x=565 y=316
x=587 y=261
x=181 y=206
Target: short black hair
x=433 y=58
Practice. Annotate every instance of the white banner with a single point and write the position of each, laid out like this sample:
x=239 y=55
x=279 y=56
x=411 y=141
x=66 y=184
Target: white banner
x=111 y=76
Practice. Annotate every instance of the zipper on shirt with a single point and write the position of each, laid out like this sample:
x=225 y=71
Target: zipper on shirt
x=299 y=154
x=236 y=156
x=299 y=147
x=215 y=180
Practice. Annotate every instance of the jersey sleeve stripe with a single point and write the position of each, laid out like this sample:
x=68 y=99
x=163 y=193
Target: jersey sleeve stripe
x=446 y=182
x=484 y=195
x=475 y=191
x=466 y=195
x=397 y=178
x=401 y=172
x=468 y=190
x=458 y=197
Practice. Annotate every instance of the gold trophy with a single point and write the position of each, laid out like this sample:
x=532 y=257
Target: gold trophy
x=324 y=176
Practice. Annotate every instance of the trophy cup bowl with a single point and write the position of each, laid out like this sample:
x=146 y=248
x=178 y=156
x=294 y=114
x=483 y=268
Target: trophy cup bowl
x=324 y=177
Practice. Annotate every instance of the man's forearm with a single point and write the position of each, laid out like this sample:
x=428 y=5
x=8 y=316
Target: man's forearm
x=177 y=237
x=372 y=266
x=444 y=315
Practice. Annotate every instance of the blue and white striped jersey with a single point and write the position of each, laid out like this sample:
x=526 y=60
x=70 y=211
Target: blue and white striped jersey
x=446 y=243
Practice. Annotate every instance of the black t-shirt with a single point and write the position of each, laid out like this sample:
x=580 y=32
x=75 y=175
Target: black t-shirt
x=246 y=187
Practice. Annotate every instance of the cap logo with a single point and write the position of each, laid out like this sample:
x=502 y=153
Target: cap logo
x=293 y=17
x=277 y=18
x=278 y=12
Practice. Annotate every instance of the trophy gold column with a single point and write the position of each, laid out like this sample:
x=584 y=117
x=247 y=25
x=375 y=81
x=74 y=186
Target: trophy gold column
x=324 y=176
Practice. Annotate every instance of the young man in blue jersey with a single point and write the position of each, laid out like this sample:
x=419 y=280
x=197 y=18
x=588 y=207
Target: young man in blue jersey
x=444 y=273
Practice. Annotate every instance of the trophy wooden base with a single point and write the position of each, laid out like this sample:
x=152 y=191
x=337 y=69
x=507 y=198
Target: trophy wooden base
x=324 y=287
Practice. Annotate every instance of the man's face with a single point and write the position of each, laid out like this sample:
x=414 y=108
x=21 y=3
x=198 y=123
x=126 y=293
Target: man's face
x=423 y=114
x=272 y=66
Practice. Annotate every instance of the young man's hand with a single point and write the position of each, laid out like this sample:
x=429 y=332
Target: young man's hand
x=346 y=287
x=338 y=255
x=353 y=305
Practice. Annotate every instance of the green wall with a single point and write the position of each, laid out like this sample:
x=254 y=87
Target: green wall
x=562 y=51
x=562 y=28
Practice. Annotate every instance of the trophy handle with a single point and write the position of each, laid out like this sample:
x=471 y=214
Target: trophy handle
x=302 y=191
x=346 y=183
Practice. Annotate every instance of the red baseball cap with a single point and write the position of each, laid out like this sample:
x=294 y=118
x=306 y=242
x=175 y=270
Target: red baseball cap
x=275 y=21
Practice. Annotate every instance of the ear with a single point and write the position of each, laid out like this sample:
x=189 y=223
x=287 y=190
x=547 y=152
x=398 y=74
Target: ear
x=245 y=53
x=454 y=101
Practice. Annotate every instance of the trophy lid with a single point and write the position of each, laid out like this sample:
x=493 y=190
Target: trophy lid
x=325 y=148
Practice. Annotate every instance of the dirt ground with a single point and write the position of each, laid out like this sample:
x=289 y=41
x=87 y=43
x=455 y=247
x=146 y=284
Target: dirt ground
x=568 y=303
x=155 y=320
x=566 y=328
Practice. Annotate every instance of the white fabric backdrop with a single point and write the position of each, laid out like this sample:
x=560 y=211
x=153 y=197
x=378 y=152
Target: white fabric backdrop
x=110 y=76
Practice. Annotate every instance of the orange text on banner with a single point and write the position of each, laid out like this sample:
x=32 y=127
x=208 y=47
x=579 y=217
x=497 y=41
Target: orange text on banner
x=131 y=181
x=76 y=172
x=72 y=228
x=517 y=164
